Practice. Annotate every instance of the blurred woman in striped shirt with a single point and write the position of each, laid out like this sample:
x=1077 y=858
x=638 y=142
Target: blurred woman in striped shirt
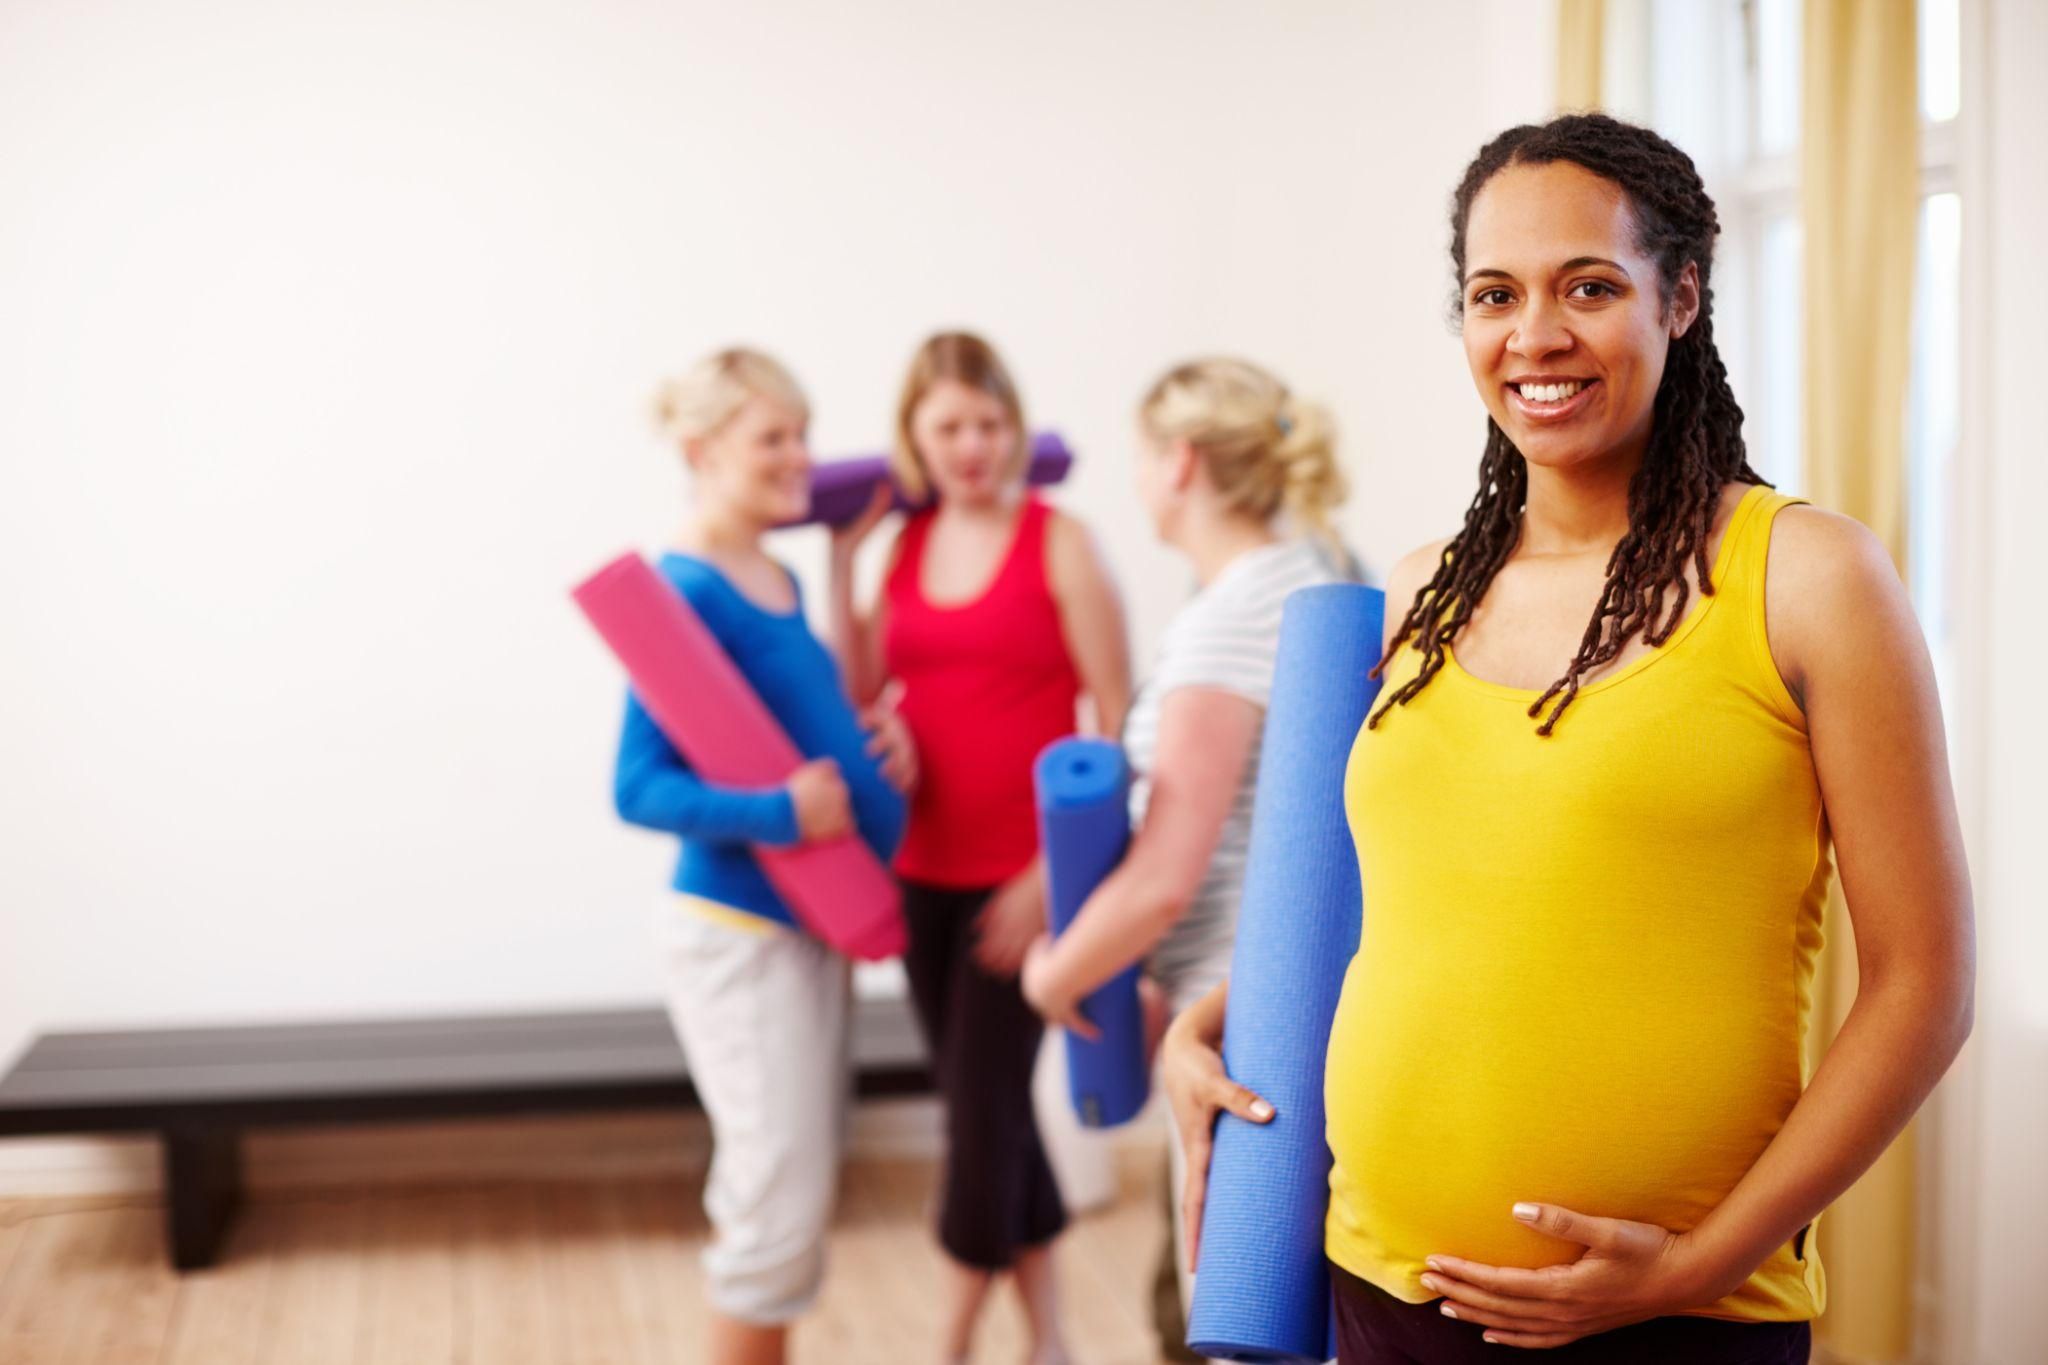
x=1241 y=478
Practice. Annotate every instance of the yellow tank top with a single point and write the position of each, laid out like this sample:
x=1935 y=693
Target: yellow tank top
x=1587 y=961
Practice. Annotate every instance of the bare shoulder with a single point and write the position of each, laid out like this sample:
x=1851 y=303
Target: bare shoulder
x=1073 y=557
x=1411 y=575
x=1065 y=530
x=1833 y=599
x=1825 y=557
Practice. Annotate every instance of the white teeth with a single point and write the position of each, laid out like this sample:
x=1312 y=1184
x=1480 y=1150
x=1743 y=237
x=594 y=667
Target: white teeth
x=1551 y=393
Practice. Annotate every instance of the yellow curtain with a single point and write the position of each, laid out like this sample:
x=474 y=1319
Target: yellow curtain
x=1859 y=196
x=1580 y=27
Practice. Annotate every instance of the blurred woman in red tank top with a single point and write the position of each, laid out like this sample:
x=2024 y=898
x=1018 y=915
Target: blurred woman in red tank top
x=996 y=616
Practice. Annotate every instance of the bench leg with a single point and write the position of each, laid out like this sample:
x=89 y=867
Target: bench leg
x=202 y=1186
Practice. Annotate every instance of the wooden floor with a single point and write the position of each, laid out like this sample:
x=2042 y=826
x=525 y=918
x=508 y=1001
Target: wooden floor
x=552 y=1274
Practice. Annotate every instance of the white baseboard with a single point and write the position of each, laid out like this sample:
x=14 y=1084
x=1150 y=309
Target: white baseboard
x=579 y=1148
x=50 y=1168
x=424 y=1153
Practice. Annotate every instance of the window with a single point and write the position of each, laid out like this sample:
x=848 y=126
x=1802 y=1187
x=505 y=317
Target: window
x=1727 y=89
x=1764 y=231
x=1934 y=386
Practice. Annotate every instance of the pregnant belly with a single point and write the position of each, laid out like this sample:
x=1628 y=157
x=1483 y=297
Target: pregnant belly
x=1639 y=1103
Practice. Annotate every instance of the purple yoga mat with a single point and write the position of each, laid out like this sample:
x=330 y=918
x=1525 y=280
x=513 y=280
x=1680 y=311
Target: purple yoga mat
x=840 y=489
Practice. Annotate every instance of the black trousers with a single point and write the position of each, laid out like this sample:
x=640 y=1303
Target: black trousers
x=997 y=1196
x=1375 y=1328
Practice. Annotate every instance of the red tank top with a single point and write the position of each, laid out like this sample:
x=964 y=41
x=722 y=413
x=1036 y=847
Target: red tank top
x=986 y=685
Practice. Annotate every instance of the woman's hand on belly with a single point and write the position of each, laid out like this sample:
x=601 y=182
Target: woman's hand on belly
x=1629 y=1272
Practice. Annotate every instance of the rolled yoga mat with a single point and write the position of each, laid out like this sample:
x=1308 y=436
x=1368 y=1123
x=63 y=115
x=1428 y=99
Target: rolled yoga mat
x=840 y=489
x=838 y=890
x=1262 y=1285
x=1084 y=821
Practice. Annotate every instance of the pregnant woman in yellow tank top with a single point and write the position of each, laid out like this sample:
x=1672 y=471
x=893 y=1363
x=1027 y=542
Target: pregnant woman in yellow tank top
x=1635 y=713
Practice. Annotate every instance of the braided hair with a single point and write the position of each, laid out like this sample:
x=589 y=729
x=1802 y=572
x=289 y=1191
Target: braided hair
x=1695 y=445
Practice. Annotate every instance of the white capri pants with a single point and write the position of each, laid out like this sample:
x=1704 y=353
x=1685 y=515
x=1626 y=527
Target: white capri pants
x=763 y=1019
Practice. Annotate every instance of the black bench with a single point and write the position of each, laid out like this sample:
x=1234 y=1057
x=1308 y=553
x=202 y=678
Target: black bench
x=199 y=1088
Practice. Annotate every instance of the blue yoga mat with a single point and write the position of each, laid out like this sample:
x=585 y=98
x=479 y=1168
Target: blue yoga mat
x=1084 y=823
x=1262 y=1286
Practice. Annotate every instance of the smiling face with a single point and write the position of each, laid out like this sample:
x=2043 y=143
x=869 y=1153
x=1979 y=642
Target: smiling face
x=1565 y=325
x=757 y=465
x=967 y=441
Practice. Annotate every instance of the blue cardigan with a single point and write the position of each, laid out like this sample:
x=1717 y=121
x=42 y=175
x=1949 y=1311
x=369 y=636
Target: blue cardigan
x=798 y=681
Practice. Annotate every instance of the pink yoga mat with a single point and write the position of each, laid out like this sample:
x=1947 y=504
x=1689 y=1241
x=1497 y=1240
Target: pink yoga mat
x=837 y=890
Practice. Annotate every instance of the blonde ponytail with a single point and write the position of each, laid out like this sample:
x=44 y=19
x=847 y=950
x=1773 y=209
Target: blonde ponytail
x=1313 y=486
x=1266 y=452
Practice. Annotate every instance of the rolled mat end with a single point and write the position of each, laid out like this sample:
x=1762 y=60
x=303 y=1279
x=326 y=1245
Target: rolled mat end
x=1083 y=792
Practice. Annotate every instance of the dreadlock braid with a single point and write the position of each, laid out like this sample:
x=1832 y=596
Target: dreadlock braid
x=1695 y=446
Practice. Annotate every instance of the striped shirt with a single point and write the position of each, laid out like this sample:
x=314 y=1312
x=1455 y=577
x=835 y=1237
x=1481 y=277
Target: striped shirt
x=1223 y=639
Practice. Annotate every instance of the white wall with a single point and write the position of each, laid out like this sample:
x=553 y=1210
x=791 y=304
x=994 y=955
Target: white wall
x=327 y=336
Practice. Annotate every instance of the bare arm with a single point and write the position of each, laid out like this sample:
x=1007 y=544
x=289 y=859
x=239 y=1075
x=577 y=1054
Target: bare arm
x=856 y=635
x=1191 y=1073
x=1849 y=648
x=1207 y=738
x=1091 y=619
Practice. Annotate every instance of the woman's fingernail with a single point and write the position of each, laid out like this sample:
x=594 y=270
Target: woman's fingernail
x=1449 y=1311
x=1490 y=1339
x=1526 y=1212
x=1433 y=1263
x=1261 y=1109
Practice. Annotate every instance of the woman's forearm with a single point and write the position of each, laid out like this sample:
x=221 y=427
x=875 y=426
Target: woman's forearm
x=1898 y=1039
x=1207 y=741
x=852 y=635
x=1109 y=696
x=1126 y=917
x=1091 y=623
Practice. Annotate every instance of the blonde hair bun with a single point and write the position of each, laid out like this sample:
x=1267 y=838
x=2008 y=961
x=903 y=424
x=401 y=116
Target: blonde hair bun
x=1266 y=451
